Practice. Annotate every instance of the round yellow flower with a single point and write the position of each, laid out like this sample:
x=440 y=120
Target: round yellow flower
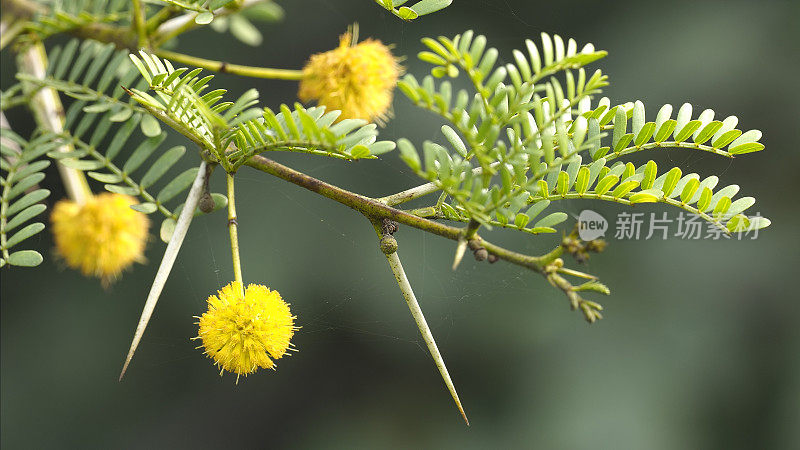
x=100 y=237
x=242 y=334
x=355 y=79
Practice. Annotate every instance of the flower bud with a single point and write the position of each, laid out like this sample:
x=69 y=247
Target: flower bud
x=388 y=244
x=206 y=203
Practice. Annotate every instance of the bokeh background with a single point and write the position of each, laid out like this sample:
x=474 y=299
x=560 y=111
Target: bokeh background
x=700 y=346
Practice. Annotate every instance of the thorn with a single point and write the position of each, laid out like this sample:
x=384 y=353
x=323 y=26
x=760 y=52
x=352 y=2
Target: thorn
x=424 y=329
x=460 y=250
x=173 y=247
x=576 y=273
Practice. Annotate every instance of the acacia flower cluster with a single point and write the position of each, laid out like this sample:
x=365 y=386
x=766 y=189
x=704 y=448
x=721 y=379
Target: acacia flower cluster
x=242 y=333
x=100 y=237
x=357 y=79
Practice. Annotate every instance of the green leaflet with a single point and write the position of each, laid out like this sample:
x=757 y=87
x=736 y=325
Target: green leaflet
x=419 y=8
x=500 y=123
x=21 y=172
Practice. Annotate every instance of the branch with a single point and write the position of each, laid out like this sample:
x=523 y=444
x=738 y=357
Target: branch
x=375 y=209
x=123 y=38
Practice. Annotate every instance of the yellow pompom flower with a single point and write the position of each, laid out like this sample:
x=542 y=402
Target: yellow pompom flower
x=242 y=334
x=355 y=79
x=100 y=237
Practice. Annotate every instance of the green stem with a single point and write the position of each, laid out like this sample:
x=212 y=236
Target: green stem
x=186 y=22
x=160 y=17
x=3 y=209
x=236 y=69
x=137 y=10
x=233 y=230
x=666 y=144
x=421 y=190
x=175 y=32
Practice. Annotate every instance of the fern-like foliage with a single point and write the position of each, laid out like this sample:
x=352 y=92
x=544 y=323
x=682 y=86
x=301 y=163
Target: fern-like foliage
x=20 y=201
x=204 y=8
x=240 y=24
x=67 y=15
x=505 y=137
x=94 y=73
x=140 y=173
x=234 y=131
x=632 y=133
x=96 y=76
x=511 y=152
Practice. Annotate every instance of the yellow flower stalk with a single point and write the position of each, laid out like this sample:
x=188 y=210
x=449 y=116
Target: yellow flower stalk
x=244 y=333
x=357 y=79
x=100 y=237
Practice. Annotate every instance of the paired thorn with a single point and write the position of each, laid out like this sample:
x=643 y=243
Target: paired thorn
x=424 y=329
x=170 y=254
x=464 y=240
x=460 y=250
x=389 y=247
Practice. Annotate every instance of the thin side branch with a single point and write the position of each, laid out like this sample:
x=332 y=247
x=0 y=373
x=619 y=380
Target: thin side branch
x=420 y=191
x=236 y=69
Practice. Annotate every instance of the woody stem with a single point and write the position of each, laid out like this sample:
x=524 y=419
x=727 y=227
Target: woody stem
x=49 y=115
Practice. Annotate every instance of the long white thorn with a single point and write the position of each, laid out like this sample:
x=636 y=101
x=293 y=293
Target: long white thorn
x=460 y=250
x=173 y=247
x=419 y=318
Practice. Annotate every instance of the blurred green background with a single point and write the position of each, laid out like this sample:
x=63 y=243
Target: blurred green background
x=700 y=346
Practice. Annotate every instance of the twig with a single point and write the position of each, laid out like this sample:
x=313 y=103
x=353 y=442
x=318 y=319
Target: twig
x=420 y=191
x=236 y=69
